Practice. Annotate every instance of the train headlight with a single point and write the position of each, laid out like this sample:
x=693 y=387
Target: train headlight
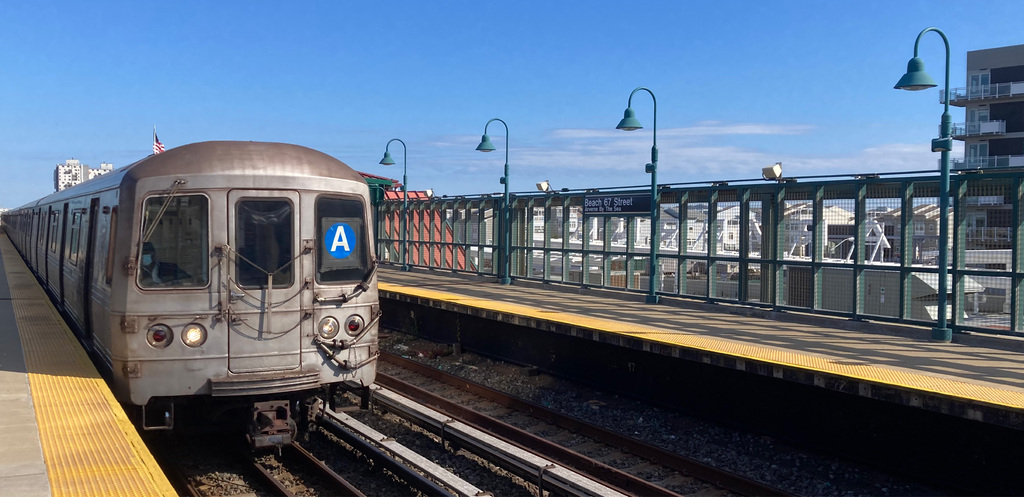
x=159 y=335
x=354 y=325
x=193 y=335
x=329 y=328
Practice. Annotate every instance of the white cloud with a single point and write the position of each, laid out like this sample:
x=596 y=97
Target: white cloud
x=706 y=128
x=588 y=158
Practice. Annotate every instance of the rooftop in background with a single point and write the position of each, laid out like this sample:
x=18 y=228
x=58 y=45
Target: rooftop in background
x=381 y=179
x=397 y=195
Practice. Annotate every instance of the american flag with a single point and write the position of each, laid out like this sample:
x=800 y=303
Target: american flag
x=157 y=146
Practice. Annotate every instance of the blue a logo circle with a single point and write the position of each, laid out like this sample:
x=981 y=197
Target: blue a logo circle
x=340 y=240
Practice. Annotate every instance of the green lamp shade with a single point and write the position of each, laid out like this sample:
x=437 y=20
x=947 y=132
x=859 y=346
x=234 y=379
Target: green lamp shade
x=915 y=79
x=387 y=160
x=629 y=121
x=485 y=144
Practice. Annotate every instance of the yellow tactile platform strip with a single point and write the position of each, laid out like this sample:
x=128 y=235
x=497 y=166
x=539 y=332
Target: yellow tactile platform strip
x=90 y=446
x=881 y=375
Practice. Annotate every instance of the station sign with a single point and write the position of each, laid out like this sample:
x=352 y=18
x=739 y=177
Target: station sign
x=617 y=204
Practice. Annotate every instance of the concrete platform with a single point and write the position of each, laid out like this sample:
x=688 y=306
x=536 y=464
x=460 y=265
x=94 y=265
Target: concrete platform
x=22 y=469
x=63 y=433
x=979 y=378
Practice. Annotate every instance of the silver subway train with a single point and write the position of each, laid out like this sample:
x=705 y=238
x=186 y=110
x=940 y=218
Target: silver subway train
x=236 y=274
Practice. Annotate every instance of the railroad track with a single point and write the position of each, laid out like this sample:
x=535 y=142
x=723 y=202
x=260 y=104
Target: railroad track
x=233 y=468
x=688 y=474
x=539 y=464
x=546 y=474
x=279 y=473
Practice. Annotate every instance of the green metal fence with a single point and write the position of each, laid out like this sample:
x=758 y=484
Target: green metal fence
x=864 y=248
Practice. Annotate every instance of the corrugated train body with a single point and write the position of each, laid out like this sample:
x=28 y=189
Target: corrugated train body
x=228 y=272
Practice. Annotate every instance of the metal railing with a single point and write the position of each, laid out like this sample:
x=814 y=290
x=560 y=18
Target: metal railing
x=976 y=128
x=988 y=162
x=981 y=92
x=455 y=234
x=861 y=248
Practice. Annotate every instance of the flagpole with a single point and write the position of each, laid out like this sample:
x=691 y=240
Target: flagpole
x=157 y=146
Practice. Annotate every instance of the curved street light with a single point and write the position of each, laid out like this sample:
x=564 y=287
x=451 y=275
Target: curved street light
x=404 y=228
x=486 y=146
x=917 y=79
x=629 y=122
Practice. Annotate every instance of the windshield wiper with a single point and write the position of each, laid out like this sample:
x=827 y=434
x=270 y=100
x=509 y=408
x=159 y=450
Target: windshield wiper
x=363 y=286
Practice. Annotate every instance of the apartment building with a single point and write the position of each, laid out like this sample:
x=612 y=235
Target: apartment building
x=993 y=101
x=73 y=172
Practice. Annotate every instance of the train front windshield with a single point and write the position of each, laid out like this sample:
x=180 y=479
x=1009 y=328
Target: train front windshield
x=342 y=241
x=264 y=234
x=174 y=249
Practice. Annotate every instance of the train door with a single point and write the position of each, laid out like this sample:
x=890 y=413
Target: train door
x=46 y=247
x=265 y=279
x=61 y=253
x=38 y=243
x=36 y=234
x=87 y=272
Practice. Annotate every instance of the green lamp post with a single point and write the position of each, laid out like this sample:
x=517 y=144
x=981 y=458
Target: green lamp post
x=486 y=146
x=916 y=79
x=404 y=227
x=629 y=122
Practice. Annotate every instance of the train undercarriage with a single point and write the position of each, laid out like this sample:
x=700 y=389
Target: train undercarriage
x=266 y=422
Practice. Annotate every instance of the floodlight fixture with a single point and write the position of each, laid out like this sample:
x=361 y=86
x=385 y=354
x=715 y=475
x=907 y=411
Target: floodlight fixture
x=772 y=172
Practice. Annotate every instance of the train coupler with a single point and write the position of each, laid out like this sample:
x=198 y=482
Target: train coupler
x=272 y=425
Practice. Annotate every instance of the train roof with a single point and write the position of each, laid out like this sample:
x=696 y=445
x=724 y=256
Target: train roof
x=242 y=158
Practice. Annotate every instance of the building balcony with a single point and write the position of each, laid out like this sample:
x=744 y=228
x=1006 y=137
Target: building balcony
x=977 y=128
x=990 y=162
x=991 y=234
x=962 y=96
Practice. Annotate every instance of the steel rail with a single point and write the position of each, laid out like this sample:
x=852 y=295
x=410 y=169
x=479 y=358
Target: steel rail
x=510 y=455
x=379 y=448
x=585 y=466
x=339 y=485
x=729 y=481
x=270 y=480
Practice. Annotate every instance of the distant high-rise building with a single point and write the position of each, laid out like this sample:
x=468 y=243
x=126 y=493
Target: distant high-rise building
x=993 y=101
x=67 y=175
x=105 y=167
x=73 y=172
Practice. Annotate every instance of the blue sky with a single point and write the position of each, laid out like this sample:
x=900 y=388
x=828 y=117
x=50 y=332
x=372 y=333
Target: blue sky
x=739 y=85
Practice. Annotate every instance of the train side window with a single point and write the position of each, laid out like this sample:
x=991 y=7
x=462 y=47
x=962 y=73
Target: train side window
x=40 y=230
x=264 y=234
x=76 y=228
x=54 y=224
x=342 y=242
x=109 y=276
x=174 y=251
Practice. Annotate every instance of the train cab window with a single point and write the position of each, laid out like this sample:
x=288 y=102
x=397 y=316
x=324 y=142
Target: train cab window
x=342 y=244
x=174 y=251
x=264 y=238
